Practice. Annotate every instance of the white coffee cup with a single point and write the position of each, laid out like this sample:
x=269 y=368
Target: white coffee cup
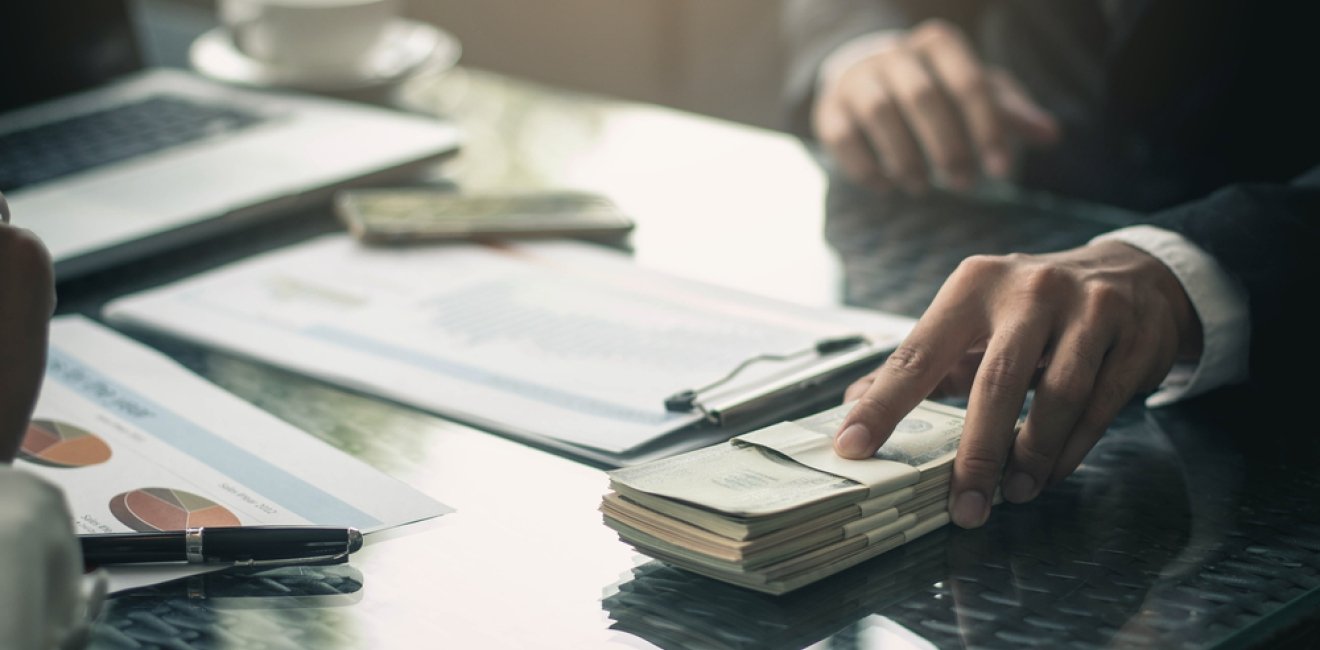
x=316 y=38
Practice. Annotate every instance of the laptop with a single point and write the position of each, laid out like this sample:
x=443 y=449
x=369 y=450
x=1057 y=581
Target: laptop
x=107 y=160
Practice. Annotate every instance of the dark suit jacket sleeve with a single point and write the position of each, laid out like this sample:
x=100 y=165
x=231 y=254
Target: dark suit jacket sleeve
x=1267 y=236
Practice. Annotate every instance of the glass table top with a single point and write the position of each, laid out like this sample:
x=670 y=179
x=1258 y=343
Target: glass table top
x=1180 y=530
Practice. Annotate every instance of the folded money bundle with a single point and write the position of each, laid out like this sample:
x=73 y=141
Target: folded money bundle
x=776 y=509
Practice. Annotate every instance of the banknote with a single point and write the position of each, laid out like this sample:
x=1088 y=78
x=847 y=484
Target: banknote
x=800 y=570
x=766 y=549
x=737 y=480
x=928 y=435
x=782 y=469
x=776 y=509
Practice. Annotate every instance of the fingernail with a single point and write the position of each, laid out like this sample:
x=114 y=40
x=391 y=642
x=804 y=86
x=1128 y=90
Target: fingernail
x=1020 y=487
x=969 y=509
x=853 y=442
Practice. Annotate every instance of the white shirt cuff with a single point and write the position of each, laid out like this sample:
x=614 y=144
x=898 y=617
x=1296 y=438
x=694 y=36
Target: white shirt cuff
x=1220 y=302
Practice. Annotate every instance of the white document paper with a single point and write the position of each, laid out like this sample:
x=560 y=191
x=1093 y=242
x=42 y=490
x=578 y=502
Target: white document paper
x=139 y=443
x=556 y=340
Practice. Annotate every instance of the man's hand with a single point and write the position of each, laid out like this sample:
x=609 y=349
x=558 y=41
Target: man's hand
x=27 y=298
x=1090 y=327
x=919 y=106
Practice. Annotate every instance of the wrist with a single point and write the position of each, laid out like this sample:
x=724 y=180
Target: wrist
x=1149 y=268
x=1191 y=340
x=1220 y=305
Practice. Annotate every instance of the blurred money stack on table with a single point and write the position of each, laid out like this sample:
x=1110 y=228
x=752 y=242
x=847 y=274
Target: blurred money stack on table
x=673 y=608
x=776 y=509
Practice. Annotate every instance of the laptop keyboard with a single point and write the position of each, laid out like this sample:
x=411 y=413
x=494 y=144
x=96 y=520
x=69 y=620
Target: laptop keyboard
x=56 y=149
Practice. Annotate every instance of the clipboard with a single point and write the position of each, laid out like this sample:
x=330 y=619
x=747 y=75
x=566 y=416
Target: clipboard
x=564 y=344
x=730 y=413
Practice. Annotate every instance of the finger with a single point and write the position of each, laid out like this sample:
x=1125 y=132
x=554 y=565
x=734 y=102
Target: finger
x=875 y=109
x=1120 y=376
x=844 y=141
x=859 y=387
x=4 y=208
x=1021 y=113
x=26 y=293
x=998 y=392
x=27 y=283
x=958 y=381
x=962 y=77
x=907 y=376
x=932 y=117
x=1061 y=397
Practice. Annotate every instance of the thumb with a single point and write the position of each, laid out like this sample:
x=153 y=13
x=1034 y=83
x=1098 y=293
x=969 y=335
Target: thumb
x=1021 y=113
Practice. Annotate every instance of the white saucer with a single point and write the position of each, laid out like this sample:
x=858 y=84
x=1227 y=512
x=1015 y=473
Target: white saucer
x=408 y=47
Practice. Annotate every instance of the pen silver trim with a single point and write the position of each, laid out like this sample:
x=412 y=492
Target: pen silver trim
x=192 y=546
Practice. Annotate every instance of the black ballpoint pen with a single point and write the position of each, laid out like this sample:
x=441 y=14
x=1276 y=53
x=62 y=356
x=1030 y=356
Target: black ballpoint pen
x=239 y=546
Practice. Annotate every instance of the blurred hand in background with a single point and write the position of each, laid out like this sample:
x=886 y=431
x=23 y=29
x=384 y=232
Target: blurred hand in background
x=909 y=109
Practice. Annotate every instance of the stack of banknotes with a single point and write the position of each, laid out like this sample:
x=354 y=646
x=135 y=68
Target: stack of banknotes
x=776 y=509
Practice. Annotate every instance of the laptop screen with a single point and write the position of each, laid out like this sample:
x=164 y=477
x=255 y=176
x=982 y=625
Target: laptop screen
x=54 y=47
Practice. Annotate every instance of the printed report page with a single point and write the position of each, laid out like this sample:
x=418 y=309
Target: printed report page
x=559 y=340
x=138 y=443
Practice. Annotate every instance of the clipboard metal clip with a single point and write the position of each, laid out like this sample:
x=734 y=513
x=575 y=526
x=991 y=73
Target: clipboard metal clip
x=686 y=401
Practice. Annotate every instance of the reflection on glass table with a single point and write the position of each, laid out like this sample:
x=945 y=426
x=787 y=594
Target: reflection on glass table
x=1192 y=526
x=1139 y=548
x=236 y=608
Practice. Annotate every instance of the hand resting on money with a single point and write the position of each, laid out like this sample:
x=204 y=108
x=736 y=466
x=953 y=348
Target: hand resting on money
x=1089 y=328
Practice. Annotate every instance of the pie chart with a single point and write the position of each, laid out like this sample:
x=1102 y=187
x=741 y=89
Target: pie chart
x=59 y=444
x=150 y=509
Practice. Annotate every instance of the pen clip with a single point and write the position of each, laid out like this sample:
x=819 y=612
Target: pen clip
x=333 y=558
x=690 y=399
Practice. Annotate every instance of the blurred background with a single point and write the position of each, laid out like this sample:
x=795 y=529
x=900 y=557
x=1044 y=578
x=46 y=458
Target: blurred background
x=715 y=57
